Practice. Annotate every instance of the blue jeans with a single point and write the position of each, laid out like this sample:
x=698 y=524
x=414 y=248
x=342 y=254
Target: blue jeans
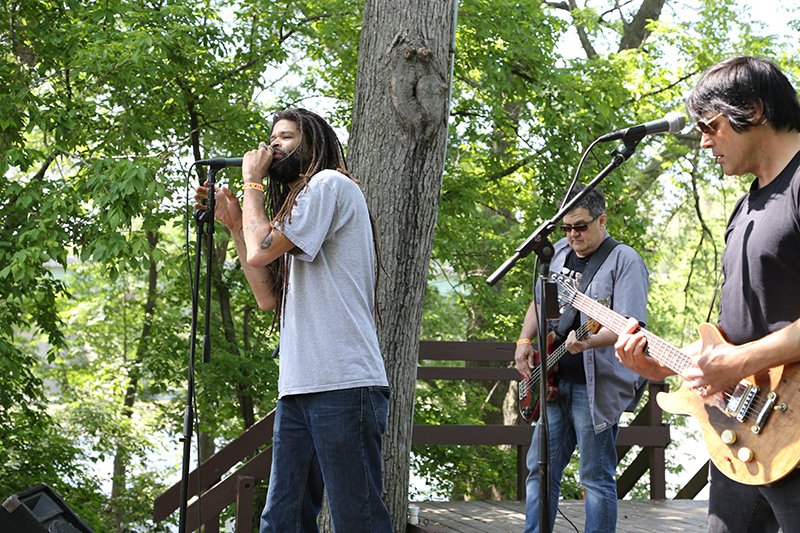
x=737 y=508
x=570 y=424
x=332 y=440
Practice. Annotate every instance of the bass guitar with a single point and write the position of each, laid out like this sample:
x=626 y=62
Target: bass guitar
x=529 y=390
x=749 y=429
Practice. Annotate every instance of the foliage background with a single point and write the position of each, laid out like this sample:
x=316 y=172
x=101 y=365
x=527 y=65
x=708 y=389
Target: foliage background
x=104 y=104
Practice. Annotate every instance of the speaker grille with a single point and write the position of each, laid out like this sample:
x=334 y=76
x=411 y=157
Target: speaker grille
x=59 y=526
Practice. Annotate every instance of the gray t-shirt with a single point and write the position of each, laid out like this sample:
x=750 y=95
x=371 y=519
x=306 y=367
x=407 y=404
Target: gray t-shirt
x=328 y=339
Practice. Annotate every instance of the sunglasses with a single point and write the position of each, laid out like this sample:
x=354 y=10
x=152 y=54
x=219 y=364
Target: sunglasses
x=580 y=228
x=704 y=126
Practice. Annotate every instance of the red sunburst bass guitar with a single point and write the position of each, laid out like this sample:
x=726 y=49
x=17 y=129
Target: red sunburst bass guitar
x=750 y=429
x=529 y=390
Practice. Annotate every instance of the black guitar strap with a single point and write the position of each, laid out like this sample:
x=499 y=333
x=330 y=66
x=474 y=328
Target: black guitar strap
x=595 y=261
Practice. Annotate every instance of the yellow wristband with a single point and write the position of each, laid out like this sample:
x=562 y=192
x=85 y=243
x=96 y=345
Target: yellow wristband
x=254 y=186
x=523 y=341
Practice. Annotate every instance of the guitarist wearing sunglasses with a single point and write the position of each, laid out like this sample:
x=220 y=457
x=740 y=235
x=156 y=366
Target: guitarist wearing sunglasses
x=748 y=116
x=593 y=388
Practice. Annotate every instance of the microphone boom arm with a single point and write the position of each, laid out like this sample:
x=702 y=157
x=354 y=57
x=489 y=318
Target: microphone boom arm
x=537 y=241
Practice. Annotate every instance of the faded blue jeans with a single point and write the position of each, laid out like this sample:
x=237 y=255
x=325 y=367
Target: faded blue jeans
x=332 y=440
x=570 y=425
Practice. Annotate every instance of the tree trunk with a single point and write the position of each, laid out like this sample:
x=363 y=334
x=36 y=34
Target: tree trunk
x=122 y=454
x=223 y=294
x=635 y=32
x=397 y=149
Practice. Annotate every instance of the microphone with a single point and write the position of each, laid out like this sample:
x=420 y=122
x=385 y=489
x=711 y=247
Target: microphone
x=670 y=123
x=221 y=162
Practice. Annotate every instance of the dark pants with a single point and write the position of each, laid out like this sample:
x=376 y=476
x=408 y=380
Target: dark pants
x=737 y=508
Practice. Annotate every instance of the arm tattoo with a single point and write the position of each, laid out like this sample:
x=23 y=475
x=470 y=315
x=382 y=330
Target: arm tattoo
x=267 y=242
x=253 y=226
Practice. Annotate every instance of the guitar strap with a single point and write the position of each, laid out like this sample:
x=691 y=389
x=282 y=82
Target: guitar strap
x=595 y=261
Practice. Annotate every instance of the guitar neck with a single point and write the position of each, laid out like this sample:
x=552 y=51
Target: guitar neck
x=559 y=352
x=657 y=348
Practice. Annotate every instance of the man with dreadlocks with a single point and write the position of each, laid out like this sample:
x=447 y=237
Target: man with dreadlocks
x=307 y=247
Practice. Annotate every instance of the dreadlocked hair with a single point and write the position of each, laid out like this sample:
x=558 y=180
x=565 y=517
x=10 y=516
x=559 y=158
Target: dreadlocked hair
x=318 y=139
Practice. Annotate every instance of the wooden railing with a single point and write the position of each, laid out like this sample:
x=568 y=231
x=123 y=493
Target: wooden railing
x=646 y=430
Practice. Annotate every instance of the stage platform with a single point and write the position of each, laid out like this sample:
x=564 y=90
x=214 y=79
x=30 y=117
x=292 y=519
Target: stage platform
x=634 y=516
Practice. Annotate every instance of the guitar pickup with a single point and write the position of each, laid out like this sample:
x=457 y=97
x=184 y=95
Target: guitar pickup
x=741 y=399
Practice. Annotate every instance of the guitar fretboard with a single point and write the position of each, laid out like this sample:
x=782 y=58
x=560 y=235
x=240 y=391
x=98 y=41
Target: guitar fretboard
x=553 y=358
x=657 y=348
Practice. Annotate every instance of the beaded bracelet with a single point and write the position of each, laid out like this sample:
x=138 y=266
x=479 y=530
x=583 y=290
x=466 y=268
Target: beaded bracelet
x=254 y=186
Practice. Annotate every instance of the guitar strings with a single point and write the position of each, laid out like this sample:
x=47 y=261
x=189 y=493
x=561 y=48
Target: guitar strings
x=552 y=359
x=659 y=349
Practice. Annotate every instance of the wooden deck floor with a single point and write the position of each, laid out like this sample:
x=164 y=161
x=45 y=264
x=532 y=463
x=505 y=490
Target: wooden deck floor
x=634 y=516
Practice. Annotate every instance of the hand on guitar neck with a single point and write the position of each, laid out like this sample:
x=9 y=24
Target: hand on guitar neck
x=529 y=388
x=749 y=428
x=631 y=351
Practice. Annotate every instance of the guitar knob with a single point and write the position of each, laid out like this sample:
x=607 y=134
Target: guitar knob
x=745 y=455
x=728 y=436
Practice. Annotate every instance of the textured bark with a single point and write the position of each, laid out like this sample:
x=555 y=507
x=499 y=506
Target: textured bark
x=397 y=148
x=636 y=32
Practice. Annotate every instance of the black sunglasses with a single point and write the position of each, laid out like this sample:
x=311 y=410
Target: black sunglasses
x=704 y=126
x=580 y=228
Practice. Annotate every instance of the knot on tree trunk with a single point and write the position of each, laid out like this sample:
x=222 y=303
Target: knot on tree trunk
x=418 y=85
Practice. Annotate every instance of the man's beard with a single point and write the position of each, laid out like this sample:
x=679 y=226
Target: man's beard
x=288 y=168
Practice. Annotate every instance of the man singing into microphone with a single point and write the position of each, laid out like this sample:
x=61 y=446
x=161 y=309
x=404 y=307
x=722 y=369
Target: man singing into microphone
x=308 y=249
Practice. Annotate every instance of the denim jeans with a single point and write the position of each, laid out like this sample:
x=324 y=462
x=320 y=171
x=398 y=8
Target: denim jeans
x=332 y=440
x=737 y=508
x=570 y=424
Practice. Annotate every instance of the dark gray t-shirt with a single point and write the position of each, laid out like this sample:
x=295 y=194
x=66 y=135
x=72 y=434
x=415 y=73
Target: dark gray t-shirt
x=328 y=339
x=761 y=262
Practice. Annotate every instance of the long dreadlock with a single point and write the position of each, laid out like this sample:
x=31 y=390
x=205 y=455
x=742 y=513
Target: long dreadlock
x=320 y=141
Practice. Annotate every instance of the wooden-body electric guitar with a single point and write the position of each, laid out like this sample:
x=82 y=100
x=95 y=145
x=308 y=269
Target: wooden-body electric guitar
x=529 y=390
x=750 y=430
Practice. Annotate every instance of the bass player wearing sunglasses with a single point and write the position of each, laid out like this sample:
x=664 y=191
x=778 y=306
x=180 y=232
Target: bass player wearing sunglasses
x=749 y=119
x=593 y=388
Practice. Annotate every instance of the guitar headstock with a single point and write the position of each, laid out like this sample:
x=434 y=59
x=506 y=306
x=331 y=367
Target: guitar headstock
x=567 y=288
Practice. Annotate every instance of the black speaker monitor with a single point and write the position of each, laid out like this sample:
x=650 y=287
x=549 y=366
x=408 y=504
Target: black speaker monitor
x=39 y=510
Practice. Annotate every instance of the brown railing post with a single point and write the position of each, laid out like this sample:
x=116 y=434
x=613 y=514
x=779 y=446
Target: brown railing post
x=245 y=492
x=658 y=463
x=522 y=470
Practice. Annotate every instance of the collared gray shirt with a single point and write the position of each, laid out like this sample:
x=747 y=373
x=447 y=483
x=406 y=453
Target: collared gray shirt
x=623 y=280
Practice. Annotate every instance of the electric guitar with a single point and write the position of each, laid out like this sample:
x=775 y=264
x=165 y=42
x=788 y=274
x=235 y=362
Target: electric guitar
x=749 y=429
x=529 y=390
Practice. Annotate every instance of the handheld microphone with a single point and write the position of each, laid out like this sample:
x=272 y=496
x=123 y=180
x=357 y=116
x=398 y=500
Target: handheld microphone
x=670 y=123
x=221 y=162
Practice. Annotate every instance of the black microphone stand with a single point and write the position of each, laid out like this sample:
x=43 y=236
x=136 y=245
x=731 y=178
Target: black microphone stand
x=537 y=242
x=204 y=218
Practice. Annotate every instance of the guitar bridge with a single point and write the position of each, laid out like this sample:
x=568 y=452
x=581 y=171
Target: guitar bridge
x=769 y=405
x=741 y=399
